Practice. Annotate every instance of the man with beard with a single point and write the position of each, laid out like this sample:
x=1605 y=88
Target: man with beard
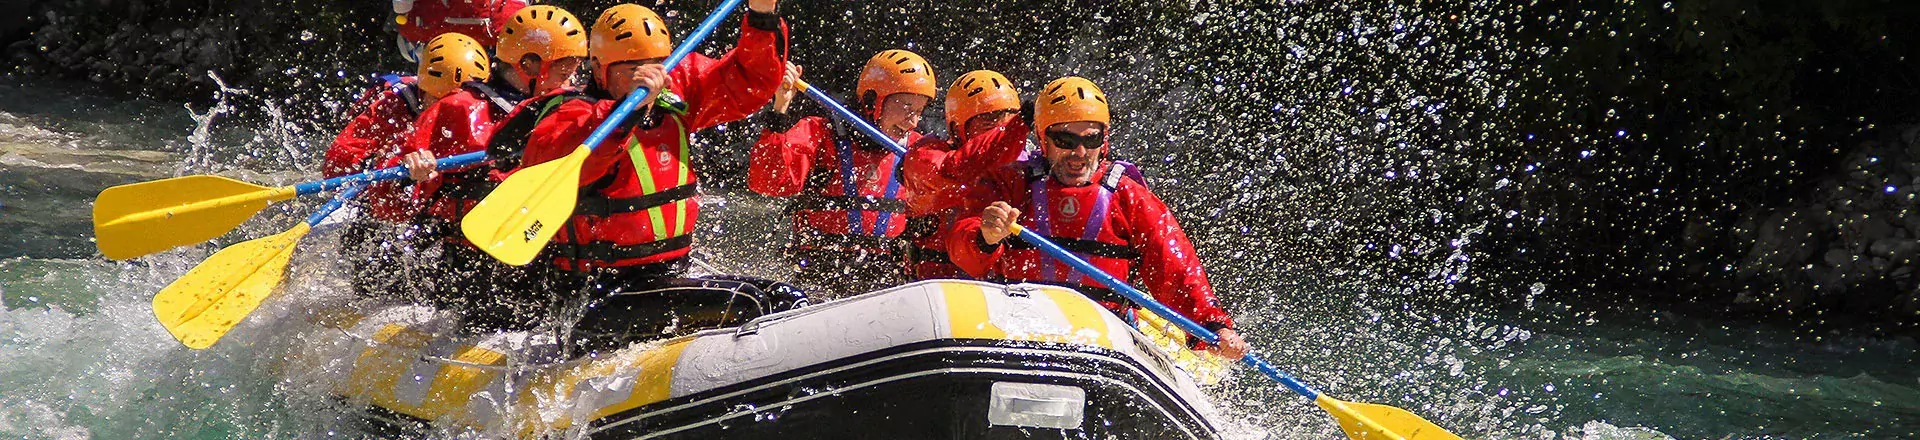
x=1086 y=204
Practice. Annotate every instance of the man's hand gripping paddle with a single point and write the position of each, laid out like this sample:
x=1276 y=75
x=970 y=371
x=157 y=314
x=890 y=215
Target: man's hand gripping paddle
x=520 y=216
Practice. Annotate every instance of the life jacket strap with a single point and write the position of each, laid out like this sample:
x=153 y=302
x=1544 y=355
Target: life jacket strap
x=1087 y=247
x=604 y=206
x=607 y=251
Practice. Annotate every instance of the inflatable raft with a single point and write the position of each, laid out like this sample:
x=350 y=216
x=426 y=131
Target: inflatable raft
x=934 y=359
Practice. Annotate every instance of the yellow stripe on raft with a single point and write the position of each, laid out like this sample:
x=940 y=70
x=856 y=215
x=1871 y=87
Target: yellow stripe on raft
x=380 y=367
x=969 y=317
x=967 y=312
x=1089 y=327
x=652 y=372
x=457 y=383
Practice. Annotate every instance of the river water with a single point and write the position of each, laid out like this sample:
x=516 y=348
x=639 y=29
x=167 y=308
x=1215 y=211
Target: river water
x=82 y=357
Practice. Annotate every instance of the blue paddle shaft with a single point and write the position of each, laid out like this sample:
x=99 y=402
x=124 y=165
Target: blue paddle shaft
x=335 y=204
x=390 y=173
x=858 y=122
x=627 y=106
x=1046 y=246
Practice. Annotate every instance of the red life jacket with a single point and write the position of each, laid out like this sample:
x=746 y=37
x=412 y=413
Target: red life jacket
x=942 y=178
x=856 y=204
x=643 y=210
x=455 y=191
x=382 y=117
x=1076 y=218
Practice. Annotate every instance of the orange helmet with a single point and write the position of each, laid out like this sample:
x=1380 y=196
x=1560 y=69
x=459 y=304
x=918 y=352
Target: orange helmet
x=628 y=32
x=547 y=31
x=976 y=93
x=895 y=71
x=450 y=60
x=1070 y=99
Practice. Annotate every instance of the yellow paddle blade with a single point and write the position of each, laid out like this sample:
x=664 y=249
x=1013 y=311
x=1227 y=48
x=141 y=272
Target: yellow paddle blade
x=1206 y=368
x=216 y=295
x=142 y=218
x=515 y=221
x=1367 y=421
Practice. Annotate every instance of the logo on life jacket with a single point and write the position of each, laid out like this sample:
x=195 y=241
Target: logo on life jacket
x=533 y=230
x=664 y=157
x=1070 y=206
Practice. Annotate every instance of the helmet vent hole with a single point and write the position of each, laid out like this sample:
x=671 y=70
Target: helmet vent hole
x=549 y=14
x=975 y=92
x=969 y=82
x=519 y=19
x=1056 y=88
x=1058 y=99
x=563 y=21
x=624 y=35
x=435 y=48
x=909 y=70
x=435 y=73
x=1083 y=92
x=1102 y=99
x=648 y=25
x=996 y=83
x=617 y=24
x=509 y=31
x=573 y=32
x=437 y=59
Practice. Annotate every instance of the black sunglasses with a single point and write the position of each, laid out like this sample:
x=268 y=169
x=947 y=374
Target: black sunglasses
x=1069 y=141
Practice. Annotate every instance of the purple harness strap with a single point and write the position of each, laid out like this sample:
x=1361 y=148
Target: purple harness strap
x=1050 y=270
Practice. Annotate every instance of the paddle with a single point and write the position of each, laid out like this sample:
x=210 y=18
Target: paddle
x=207 y=302
x=521 y=215
x=848 y=115
x=142 y=218
x=1361 y=421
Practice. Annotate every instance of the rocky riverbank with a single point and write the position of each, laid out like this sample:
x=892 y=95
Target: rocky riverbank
x=1850 y=240
x=167 y=48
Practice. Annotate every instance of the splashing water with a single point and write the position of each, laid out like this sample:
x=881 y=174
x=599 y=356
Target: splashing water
x=1348 y=172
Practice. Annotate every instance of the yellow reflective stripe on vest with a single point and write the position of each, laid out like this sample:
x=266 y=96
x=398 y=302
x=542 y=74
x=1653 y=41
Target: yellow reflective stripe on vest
x=686 y=175
x=643 y=168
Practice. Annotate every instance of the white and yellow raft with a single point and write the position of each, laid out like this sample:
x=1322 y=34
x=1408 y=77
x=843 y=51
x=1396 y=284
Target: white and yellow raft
x=935 y=359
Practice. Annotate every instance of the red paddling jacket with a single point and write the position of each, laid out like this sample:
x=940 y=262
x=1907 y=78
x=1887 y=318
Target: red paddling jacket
x=1115 y=223
x=940 y=180
x=384 y=121
x=852 y=202
x=457 y=123
x=637 y=190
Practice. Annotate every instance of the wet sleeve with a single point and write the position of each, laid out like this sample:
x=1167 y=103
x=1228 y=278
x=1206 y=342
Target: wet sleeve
x=990 y=151
x=780 y=162
x=1169 y=268
x=392 y=200
x=921 y=175
x=740 y=82
x=964 y=244
x=381 y=123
